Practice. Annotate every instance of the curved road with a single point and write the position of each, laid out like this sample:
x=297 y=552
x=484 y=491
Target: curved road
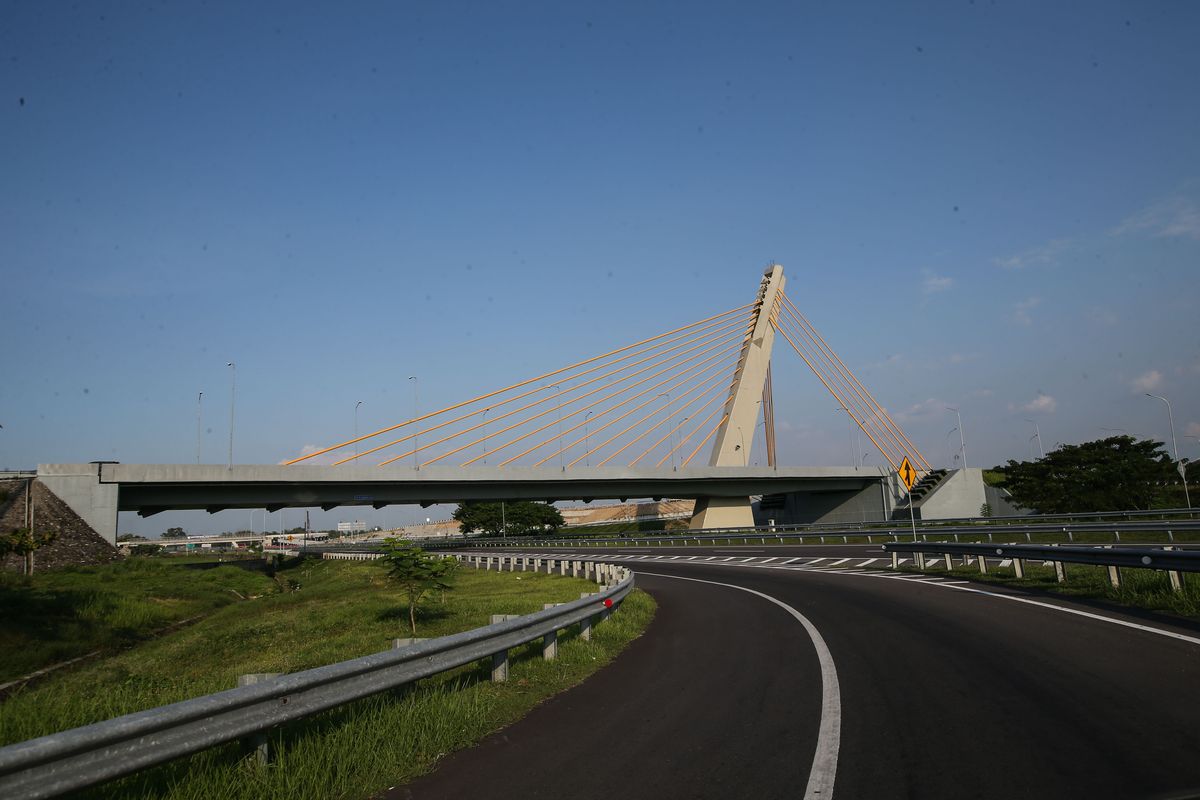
x=945 y=690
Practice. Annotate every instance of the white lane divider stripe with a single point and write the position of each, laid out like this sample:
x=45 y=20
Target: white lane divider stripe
x=829 y=732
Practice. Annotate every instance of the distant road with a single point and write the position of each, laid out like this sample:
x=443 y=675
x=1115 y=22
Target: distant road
x=946 y=690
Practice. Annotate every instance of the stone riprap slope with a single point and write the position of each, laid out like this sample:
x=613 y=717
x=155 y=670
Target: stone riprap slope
x=76 y=543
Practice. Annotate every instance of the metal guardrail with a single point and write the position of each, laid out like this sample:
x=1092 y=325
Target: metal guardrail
x=1173 y=562
x=1142 y=557
x=74 y=759
x=894 y=532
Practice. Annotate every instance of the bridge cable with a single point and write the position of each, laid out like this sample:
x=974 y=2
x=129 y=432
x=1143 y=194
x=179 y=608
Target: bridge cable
x=527 y=382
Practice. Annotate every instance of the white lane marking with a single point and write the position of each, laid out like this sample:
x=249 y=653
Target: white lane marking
x=959 y=586
x=870 y=561
x=1124 y=623
x=829 y=732
x=769 y=560
x=839 y=561
x=729 y=558
x=791 y=561
x=815 y=560
x=738 y=550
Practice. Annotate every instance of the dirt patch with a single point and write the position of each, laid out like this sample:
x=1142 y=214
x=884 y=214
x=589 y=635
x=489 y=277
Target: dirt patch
x=76 y=544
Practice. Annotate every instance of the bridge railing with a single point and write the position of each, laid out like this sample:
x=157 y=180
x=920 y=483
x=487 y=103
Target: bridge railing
x=1173 y=562
x=74 y=759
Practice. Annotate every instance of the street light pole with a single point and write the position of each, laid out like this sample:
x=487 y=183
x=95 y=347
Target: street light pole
x=484 y=439
x=962 y=442
x=1037 y=434
x=416 y=436
x=199 y=427
x=587 y=461
x=946 y=441
x=232 y=397
x=558 y=402
x=1175 y=447
x=356 y=405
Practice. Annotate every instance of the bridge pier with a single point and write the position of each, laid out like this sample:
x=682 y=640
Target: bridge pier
x=722 y=512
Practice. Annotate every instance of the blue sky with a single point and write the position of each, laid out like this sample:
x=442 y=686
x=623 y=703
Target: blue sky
x=988 y=205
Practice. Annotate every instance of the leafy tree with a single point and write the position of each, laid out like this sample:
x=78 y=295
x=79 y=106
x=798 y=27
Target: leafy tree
x=1114 y=474
x=518 y=518
x=174 y=533
x=23 y=542
x=417 y=573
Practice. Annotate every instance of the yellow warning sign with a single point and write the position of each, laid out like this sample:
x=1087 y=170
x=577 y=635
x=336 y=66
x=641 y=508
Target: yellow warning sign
x=907 y=474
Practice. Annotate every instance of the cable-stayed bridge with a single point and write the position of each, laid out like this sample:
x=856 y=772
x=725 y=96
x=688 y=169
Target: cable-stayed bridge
x=673 y=415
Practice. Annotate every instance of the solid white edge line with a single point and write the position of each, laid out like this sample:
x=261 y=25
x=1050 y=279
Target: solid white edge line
x=829 y=733
x=1101 y=618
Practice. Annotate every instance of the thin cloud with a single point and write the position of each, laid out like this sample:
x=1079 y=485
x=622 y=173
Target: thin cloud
x=1175 y=216
x=1042 y=404
x=1193 y=429
x=932 y=283
x=922 y=410
x=1148 y=381
x=1041 y=256
x=1021 y=310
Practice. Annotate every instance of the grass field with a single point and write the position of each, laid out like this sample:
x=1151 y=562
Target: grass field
x=58 y=615
x=329 y=611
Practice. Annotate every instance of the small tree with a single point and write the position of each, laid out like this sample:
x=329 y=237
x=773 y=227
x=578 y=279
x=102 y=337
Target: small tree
x=174 y=533
x=417 y=573
x=24 y=542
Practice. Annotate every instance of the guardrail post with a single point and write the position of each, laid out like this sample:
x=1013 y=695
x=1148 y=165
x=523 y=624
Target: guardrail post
x=982 y=564
x=585 y=625
x=500 y=660
x=1175 y=576
x=575 y=567
x=562 y=567
x=587 y=570
x=1114 y=577
x=398 y=643
x=537 y=565
x=1117 y=534
x=949 y=566
x=258 y=741
x=920 y=560
x=895 y=560
x=550 y=640
x=1019 y=567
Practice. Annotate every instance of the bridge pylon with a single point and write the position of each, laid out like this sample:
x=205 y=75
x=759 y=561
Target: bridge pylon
x=735 y=434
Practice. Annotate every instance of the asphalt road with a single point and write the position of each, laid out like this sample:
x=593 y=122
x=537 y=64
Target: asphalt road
x=943 y=691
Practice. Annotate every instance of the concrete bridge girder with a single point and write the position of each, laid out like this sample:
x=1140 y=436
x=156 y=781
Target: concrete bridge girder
x=98 y=491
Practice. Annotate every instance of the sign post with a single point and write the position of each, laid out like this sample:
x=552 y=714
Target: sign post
x=908 y=476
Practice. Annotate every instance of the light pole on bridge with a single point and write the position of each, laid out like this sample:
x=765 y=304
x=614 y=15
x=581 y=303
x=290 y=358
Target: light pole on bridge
x=416 y=436
x=199 y=427
x=232 y=397
x=356 y=405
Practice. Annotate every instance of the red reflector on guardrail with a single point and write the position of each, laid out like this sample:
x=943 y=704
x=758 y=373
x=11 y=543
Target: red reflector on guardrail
x=608 y=602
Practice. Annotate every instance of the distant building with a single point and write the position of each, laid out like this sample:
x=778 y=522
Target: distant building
x=358 y=526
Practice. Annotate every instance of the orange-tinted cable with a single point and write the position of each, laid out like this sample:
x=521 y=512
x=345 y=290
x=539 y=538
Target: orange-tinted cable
x=519 y=385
